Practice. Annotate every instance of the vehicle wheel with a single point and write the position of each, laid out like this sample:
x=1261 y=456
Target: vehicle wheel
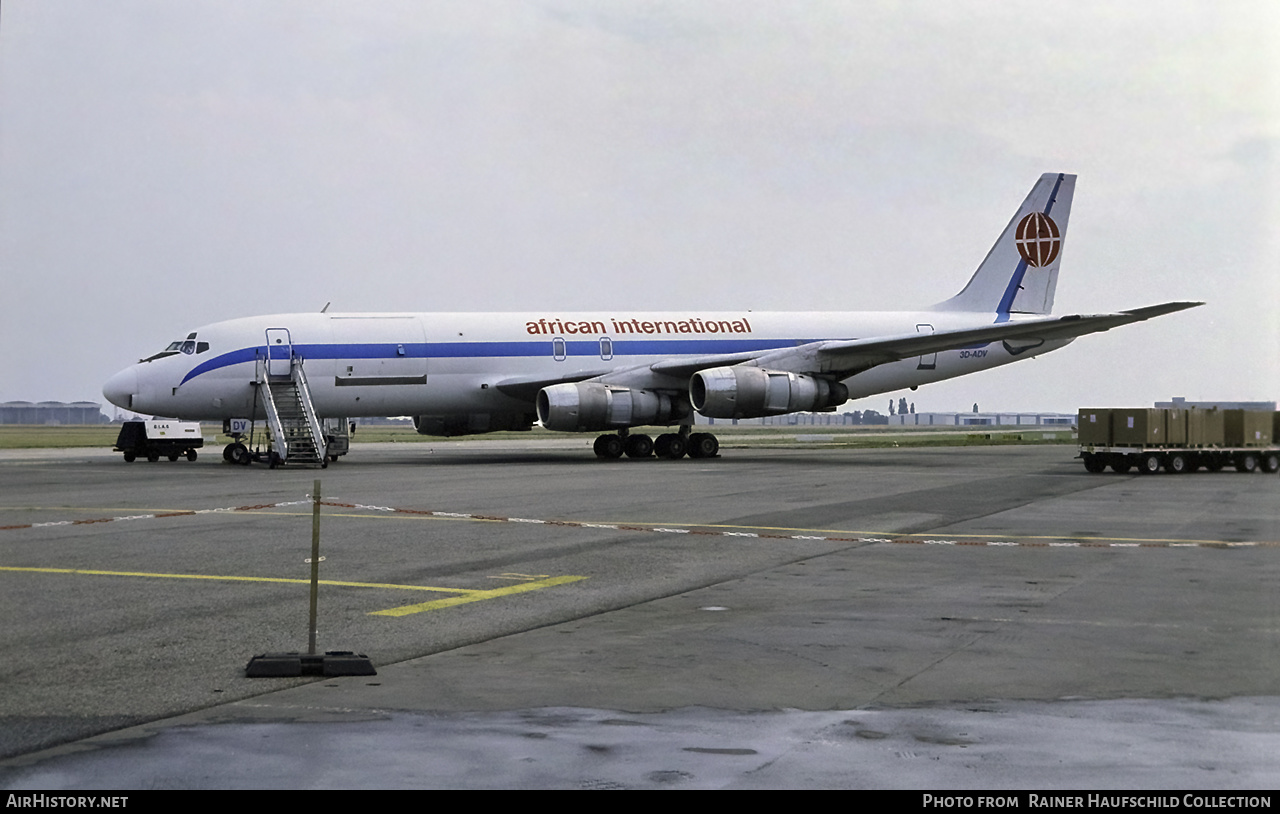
x=662 y=444
x=1176 y=464
x=703 y=445
x=191 y=455
x=274 y=459
x=239 y=453
x=1094 y=464
x=1271 y=462
x=609 y=447
x=173 y=456
x=1121 y=467
x=1149 y=464
x=676 y=449
x=1247 y=462
x=639 y=446
x=129 y=457
x=153 y=456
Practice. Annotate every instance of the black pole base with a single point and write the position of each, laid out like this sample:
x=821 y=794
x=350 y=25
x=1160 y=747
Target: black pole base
x=332 y=663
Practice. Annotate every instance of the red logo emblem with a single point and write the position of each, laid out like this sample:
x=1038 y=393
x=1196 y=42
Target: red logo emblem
x=1038 y=239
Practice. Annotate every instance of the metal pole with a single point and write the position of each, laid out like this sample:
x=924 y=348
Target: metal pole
x=315 y=564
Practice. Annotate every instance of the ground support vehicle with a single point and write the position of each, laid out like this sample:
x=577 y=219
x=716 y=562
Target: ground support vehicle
x=1178 y=440
x=159 y=437
x=1177 y=460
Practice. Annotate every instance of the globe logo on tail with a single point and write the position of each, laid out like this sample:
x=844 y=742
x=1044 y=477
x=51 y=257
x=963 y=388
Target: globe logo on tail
x=1038 y=239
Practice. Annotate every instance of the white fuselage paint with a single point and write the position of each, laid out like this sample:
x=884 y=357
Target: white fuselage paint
x=449 y=363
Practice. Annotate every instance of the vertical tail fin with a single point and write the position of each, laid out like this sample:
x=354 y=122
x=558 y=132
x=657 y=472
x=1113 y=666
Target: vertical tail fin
x=1020 y=273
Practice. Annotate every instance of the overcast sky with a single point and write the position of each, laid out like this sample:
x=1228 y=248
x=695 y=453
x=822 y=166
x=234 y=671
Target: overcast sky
x=170 y=163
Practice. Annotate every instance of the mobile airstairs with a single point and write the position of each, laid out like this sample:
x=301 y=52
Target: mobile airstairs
x=297 y=436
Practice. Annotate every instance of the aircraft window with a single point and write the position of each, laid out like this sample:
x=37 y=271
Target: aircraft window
x=606 y=348
x=189 y=347
x=174 y=347
x=558 y=349
x=201 y=347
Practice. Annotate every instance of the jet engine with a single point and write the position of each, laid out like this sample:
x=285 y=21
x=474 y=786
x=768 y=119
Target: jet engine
x=750 y=392
x=596 y=406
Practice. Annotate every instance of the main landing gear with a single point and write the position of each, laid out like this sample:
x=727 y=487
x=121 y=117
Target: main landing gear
x=669 y=445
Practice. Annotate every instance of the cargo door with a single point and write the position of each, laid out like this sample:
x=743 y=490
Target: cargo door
x=380 y=362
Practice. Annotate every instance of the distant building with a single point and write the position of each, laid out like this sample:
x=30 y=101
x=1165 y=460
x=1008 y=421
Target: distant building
x=1182 y=404
x=908 y=419
x=52 y=412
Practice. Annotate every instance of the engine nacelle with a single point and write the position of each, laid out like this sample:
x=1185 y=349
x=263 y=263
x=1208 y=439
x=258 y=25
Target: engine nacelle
x=743 y=391
x=471 y=423
x=595 y=406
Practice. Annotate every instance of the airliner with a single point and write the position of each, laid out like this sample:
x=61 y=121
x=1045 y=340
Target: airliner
x=612 y=372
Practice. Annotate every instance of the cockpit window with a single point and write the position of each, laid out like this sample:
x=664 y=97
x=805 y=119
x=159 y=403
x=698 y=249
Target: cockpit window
x=188 y=346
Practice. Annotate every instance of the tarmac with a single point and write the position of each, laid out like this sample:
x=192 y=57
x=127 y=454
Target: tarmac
x=941 y=618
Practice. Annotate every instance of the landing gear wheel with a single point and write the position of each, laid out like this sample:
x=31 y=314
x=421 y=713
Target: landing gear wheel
x=608 y=447
x=237 y=453
x=639 y=446
x=670 y=446
x=703 y=445
x=226 y=452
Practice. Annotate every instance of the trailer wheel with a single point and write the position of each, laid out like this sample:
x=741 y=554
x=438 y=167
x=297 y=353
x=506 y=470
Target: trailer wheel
x=1121 y=467
x=1215 y=463
x=1247 y=462
x=1149 y=464
x=1271 y=462
x=1094 y=464
x=1176 y=464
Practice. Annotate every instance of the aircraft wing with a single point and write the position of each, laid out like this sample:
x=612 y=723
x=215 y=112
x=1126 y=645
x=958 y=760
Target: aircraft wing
x=843 y=358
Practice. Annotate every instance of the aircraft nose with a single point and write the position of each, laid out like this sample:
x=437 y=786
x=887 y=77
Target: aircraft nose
x=121 y=388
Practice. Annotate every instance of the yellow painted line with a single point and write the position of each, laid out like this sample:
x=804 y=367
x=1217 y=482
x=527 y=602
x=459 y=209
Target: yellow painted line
x=476 y=596
x=228 y=578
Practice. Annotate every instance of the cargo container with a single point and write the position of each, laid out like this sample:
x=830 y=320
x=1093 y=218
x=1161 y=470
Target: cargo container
x=1178 y=440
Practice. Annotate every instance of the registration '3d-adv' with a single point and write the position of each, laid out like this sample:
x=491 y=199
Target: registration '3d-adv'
x=611 y=371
